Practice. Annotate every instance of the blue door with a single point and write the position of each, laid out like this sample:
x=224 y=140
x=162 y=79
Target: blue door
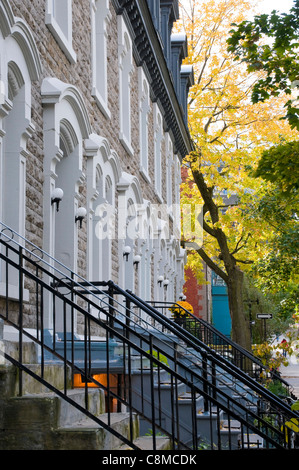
x=220 y=309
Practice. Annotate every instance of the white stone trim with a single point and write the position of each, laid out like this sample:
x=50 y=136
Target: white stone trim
x=169 y=174
x=144 y=110
x=100 y=17
x=125 y=64
x=103 y=165
x=20 y=65
x=64 y=111
x=158 y=139
x=58 y=18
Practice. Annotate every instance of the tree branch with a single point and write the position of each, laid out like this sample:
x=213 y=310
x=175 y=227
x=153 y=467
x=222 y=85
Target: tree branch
x=246 y=261
x=212 y=265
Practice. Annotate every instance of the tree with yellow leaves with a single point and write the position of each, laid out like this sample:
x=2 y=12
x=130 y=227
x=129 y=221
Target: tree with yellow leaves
x=229 y=133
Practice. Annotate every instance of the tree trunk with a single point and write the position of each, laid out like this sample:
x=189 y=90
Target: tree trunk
x=232 y=275
x=240 y=325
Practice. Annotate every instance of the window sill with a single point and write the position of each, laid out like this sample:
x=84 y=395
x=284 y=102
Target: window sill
x=102 y=105
x=13 y=292
x=126 y=144
x=145 y=175
x=61 y=39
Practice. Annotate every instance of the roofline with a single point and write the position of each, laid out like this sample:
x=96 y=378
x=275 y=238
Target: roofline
x=149 y=53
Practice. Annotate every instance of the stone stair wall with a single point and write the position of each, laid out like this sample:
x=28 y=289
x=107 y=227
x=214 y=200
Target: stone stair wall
x=42 y=420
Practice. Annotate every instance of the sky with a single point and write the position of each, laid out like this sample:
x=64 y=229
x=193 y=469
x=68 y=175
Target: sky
x=266 y=6
x=282 y=6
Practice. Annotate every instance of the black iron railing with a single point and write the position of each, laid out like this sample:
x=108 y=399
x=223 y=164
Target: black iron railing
x=217 y=341
x=177 y=386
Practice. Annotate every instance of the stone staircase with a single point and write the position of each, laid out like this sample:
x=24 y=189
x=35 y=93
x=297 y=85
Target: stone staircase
x=210 y=423
x=42 y=420
x=165 y=406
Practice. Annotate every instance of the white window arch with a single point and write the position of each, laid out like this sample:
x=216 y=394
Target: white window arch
x=158 y=140
x=13 y=160
x=58 y=18
x=144 y=110
x=20 y=65
x=169 y=174
x=66 y=126
x=129 y=200
x=100 y=16
x=125 y=62
x=177 y=182
x=103 y=174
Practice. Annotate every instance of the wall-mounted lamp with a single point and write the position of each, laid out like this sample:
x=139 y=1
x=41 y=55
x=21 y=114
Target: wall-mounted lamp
x=165 y=284
x=136 y=260
x=126 y=252
x=81 y=213
x=160 y=280
x=56 y=196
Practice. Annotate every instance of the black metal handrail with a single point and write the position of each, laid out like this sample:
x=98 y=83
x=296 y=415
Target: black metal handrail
x=223 y=345
x=143 y=377
x=194 y=342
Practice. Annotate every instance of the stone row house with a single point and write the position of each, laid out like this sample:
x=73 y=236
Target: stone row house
x=93 y=128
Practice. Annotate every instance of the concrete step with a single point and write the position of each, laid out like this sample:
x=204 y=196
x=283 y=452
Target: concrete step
x=9 y=379
x=11 y=348
x=88 y=435
x=42 y=420
x=49 y=410
x=146 y=443
x=231 y=437
x=46 y=421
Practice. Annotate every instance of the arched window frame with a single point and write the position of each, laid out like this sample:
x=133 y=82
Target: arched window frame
x=101 y=202
x=125 y=64
x=100 y=17
x=58 y=18
x=20 y=65
x=144 y=111
x=158 y=140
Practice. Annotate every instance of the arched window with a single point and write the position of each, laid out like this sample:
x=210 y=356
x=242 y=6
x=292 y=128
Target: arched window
x=59 y=21
x=66 y=126
x=13 y=173
x=144 y=109
x=20 y=66
x=125 y=60
x=99 y=21
x=158 y=140
x=103 y=174
x=67 y=178
x=169 y=175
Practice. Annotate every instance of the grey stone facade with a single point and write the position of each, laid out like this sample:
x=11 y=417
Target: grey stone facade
x=67 y=121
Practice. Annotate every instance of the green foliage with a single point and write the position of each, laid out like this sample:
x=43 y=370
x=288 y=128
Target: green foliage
x=279 y=165
x=243 y=213
x=278 y=388
x=277 y=271
x=159 y=356
x=277 y=58
x=280 y=302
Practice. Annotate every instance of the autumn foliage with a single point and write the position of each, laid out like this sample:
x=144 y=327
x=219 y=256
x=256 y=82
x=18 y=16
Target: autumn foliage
x=229 y=132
